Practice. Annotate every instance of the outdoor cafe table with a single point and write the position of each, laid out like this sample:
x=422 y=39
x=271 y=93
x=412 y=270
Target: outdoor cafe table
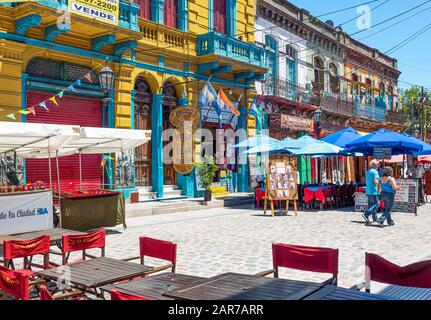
x=234 y=286
x=336 y=293
x=97 y=272
x=152 y=287
x=55 y=235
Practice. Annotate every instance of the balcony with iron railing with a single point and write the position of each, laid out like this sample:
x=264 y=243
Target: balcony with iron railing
x=370 y=108
x=337 y=105
x=223 y=45
x=396 y=117
x=288 y=90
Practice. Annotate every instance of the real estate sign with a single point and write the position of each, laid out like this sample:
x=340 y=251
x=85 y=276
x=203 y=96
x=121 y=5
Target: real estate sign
x=101 y=10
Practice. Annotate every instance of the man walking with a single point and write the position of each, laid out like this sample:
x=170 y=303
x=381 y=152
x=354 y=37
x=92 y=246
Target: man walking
x=372 y=182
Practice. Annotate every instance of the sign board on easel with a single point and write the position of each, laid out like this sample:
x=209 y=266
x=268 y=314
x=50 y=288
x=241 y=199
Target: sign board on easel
x=281 y=184
x=407 y=196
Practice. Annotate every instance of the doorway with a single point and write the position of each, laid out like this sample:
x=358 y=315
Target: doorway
x=169 y=102
x=143 y=99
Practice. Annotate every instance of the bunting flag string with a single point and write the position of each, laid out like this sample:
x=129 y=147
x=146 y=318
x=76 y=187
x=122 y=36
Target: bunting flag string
x=54 y=98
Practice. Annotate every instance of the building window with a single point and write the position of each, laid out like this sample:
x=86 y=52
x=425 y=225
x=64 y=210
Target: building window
x=171 y=13
x=355 y=84
x=272 y=60
x=334 y=79
x=219 y=12
x=319 y=80
x=145 y=10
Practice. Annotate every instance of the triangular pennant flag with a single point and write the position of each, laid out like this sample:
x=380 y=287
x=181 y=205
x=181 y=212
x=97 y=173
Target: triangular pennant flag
x=43 y=105
x=71 y=88
x=78 y=82
x=53 y=100
x=60 y=94
x=25 y=111
x=88 y=77
x=31 y=109
x=11 y=116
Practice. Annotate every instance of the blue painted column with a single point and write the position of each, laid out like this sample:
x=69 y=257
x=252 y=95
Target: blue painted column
x=157 y=145
x=243 y=184
x=211 y=15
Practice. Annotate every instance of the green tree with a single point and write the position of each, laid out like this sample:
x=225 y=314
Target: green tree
x=411 y=99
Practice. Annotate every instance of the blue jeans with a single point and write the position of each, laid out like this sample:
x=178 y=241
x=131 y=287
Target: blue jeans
x=373 y=205
x=388 y=200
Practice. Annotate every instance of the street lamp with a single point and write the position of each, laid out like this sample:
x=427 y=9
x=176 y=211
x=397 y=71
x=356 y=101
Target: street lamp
x=106 y=79
x=317 y=119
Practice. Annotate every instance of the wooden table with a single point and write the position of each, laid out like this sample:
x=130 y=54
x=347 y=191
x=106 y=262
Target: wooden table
x=234 y=286
x=337 y=293
x=97 y=272
x=54 y=234
x=153 y=286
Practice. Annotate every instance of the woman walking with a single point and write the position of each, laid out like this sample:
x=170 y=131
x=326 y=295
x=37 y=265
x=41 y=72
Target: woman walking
x=387 y=189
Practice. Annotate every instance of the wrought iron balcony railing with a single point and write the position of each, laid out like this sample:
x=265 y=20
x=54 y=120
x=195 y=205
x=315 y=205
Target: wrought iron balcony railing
x=337 y=105
x=396 y=117
x=370 y=111
x=289 y=90
x=223 y=45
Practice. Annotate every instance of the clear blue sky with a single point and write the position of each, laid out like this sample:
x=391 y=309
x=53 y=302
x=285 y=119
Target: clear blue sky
x=414 y=59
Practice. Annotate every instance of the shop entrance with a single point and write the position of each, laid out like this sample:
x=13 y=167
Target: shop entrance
x=143 y=99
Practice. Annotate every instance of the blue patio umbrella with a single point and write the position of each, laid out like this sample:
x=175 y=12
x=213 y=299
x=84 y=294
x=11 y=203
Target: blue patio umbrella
x=308 y=146
x=398 y=142
x=257 y=140
x=273 y=147
x=342 y=137
x=426 y=147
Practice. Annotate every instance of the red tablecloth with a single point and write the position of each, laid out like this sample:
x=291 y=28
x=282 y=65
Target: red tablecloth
x=87 y=194
x=313 y=194
x=259 y=196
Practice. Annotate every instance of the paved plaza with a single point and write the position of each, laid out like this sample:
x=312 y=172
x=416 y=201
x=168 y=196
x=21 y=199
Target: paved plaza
x=219 y=240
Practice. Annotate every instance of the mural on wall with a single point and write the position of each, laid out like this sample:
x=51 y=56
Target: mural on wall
x=7 y=165
x=125 y=170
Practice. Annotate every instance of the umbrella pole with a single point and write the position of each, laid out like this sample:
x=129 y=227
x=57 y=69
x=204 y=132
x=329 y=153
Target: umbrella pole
x=49 y=164
x=80 y=171
x=58 y=187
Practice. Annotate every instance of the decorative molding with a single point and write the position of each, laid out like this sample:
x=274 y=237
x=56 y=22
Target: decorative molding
x=23 y=24
x=99 y=42
x=120 y=47
x=53 y=31
x=210 y=66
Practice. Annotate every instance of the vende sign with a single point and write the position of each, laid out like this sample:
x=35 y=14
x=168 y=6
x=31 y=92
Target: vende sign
x=102 y=10
x=25 y=212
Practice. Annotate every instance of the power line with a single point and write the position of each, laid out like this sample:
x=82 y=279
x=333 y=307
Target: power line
x=372 y=9
x=409 y=39
x=345 y=9
x=392 y=18
x=394 y=24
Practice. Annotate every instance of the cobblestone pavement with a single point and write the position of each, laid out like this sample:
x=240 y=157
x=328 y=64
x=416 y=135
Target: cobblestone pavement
x=214 y=241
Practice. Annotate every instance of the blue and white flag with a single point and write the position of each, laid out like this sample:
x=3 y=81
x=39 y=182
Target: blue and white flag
x=207 y=96
x=255 y=113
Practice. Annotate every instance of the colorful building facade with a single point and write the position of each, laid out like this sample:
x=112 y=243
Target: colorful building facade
x=161 y=52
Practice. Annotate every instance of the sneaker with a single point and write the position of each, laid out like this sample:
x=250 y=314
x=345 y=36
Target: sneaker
x=380 y=224
x=391 y=223
x=367 y=221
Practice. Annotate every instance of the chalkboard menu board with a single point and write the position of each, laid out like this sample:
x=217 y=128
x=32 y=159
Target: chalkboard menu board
x=382 y=153
x=407 y=196
x=361 y=202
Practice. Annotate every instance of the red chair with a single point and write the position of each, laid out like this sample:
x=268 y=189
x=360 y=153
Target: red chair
x=381 y=270
x=118 y=295
x=46 y=295
x=15 y=283
x=322 y=260
x=329 y=199
x=73 y=243
x=27 y=249
x=158 y=249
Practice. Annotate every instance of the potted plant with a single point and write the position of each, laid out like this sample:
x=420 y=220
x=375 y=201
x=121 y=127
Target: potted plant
x=206 y=170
